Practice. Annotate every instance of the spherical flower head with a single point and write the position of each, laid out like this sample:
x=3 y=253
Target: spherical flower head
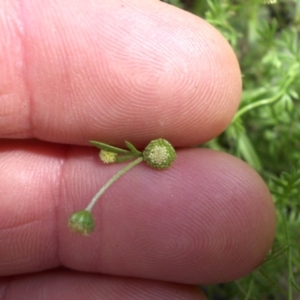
x=82 y=222
x=159 y=154
x=108 y=157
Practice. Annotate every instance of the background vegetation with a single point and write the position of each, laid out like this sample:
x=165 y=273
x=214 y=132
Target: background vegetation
x=266 y=129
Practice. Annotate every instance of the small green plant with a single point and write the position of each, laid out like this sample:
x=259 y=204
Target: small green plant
x=159 y=154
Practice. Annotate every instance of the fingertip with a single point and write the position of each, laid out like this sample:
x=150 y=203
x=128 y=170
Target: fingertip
x=209 y=208
x=115 y=70
x=79 y=285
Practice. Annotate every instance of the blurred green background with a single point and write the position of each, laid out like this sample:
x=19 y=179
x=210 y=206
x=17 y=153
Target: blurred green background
x=266 y=129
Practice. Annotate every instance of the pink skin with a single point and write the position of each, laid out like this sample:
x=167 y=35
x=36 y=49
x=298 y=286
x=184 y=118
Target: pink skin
x=114 y=70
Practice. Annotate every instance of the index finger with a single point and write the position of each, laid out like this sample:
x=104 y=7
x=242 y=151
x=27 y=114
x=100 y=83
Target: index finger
x=114 y=70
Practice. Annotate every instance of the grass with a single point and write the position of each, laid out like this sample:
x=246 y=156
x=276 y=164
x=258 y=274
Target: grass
x=265 y=131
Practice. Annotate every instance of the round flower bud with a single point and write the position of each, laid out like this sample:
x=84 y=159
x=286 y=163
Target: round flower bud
x=82 y=222
x=108 y=157
x=159 y=154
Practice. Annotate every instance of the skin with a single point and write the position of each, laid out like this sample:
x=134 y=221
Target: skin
x=112 y=71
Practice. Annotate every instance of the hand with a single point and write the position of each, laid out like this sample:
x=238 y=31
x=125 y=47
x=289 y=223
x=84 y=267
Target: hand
x=113 y=71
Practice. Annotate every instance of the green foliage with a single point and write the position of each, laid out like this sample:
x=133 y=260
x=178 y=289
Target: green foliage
x=174 y=2
x=265 y=132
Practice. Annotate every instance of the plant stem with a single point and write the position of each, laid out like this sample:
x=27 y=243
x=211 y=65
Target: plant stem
x=289 y=260
x=111 y=181
x=264 y=101
x=272 y=281
x=248 y=295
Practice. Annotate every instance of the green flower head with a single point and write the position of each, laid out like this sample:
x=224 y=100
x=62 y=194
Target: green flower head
x=82 y=222
x=159 y=154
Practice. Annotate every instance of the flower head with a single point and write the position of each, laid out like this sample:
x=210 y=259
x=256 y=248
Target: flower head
x=108 y=157
x=82 y=222
x=159 y=154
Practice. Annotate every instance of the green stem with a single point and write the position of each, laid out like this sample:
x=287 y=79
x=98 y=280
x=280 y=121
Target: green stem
x=240 y=287
x=249 y=292
x=256 y=104
x=124 y=158
x=282 y=290
x=263 y=102
x=289 y=260
x=111 y=181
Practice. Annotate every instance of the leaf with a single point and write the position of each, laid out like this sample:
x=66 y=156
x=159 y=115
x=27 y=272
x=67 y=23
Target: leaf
x=247 y=150
x=275 y=193
x=132 y=148
x=279 y=182
x=293 y=94
x=126 y=157
x=106 y=147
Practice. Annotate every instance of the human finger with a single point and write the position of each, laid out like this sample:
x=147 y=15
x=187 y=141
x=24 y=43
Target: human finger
x=113 y=70
x=209 y=218
x=79 y=285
